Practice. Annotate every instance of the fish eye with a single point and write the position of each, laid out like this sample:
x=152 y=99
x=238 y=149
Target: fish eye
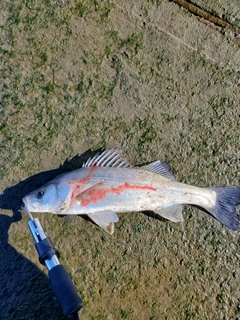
x=40 y=193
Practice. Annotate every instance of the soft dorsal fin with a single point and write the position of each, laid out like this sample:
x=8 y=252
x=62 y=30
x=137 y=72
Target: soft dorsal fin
x=108 y=158
x=162 y=168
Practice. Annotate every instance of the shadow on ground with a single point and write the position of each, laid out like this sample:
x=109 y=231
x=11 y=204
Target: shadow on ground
x=25 y=291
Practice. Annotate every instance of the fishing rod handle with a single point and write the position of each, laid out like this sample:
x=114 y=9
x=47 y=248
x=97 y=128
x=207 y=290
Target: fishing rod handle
x=60 y=280
x=64 y=290
x=48 y=254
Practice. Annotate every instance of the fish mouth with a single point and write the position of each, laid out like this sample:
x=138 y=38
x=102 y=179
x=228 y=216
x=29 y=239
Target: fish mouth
x=25 y=208
x=28 y=205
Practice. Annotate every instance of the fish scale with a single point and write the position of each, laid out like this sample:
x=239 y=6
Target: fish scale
x=108 y=184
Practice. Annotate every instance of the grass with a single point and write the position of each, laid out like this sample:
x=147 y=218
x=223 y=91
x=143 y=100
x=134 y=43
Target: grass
x=88 y=74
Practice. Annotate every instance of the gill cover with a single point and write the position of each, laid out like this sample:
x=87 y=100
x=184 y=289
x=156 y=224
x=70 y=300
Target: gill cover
x=49 y=198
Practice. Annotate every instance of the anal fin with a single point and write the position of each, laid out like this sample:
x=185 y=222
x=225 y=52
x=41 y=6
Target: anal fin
x=172 y=212
x=105 y=220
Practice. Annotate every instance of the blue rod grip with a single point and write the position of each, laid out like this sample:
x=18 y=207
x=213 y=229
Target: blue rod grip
x=64 y=290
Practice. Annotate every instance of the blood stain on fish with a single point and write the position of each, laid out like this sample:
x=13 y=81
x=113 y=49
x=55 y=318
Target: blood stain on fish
x=98 y=192
x=77 y=185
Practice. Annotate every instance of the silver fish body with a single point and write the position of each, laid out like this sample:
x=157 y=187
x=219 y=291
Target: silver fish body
x=108 y=184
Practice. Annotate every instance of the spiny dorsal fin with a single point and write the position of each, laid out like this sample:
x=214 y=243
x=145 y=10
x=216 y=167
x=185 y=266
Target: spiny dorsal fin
x=162 y=168
x=108 y=158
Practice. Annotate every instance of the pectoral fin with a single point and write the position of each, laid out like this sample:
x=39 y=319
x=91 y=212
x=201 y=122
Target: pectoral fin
x=172 y=212
x=105 y=220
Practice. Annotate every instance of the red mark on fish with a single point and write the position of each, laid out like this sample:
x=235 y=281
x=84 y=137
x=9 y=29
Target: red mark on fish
x=80 y=185
x=99 y=192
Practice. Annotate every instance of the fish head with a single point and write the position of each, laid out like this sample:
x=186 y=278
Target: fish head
x=48 y=198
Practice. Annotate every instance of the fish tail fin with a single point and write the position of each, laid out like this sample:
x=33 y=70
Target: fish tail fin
x=225 y=209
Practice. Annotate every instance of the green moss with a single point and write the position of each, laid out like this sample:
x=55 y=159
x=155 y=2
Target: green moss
x=15 y=14
x=126 y=314
x=62 y=65
x=222 y=298
x=134 y=41
x=43 y=57
x=105 y=9
x=3 y=170
x=81 y=8
x=49 y=87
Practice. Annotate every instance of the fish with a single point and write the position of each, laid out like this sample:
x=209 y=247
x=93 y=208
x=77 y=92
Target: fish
x=108 y=184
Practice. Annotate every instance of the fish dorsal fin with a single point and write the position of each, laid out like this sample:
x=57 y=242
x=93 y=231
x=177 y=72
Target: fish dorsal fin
x=105 y=220
x=162 y=168
x=108 y=158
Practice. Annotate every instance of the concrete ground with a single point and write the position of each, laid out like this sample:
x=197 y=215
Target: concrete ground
x=158 y=81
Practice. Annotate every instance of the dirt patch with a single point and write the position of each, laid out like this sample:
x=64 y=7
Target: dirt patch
x=153 y=80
